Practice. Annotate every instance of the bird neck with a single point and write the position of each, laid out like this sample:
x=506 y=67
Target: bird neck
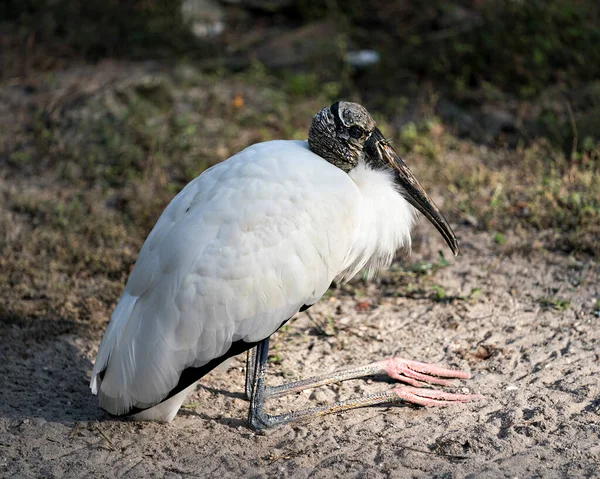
x=383 y=222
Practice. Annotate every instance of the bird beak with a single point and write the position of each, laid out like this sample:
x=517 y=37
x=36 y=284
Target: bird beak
x=380 y=151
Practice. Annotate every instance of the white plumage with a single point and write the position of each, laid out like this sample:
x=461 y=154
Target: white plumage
x=235 y=254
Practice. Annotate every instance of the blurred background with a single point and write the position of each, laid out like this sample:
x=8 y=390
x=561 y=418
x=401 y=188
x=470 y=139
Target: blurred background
x=109 y=107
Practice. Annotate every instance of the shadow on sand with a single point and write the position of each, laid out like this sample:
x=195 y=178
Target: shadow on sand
x=43 y=374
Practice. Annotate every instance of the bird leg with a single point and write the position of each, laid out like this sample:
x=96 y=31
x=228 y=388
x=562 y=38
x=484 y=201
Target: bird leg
x=396 y=367
x=411 y=372
x=250 y=366
x=257 y=417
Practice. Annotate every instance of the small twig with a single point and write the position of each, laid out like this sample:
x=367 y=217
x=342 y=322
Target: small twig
x=423 y=451
x=109 y=442
x=191 y=405
x=487 y=316
x=285 y=455
x=319 y=328
x=68 y=453
x=126 y=473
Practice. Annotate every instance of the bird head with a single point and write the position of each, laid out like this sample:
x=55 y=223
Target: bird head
x=345 y=134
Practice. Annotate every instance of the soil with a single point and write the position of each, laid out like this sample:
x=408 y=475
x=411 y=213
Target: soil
x=534 y=357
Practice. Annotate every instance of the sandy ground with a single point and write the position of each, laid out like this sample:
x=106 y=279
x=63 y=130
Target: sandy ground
x=537 y=364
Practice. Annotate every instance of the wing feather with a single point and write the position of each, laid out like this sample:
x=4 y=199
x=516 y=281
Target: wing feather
x=235 y=254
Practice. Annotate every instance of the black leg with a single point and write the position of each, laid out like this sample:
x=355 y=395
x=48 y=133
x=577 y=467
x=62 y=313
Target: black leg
x=250 y=367
x=257 y=417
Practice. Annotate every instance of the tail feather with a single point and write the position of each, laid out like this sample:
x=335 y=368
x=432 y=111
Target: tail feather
x=118 y=321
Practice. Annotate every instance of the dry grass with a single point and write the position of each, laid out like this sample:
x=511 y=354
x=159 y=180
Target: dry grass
x=90 y=165
x=533 y=193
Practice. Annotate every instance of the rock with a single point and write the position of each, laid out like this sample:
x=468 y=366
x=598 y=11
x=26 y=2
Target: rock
x=486 y=124
x=362 y=58
x=498 y=120
x=463 y=121
x=310 y=45
x=204 y=18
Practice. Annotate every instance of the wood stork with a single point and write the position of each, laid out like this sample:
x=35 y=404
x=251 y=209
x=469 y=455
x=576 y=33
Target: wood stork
x=247 y=245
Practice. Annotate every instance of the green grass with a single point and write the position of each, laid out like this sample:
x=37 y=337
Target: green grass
x=555 y=303
x=499 y=238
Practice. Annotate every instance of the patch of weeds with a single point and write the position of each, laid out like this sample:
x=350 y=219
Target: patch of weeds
x=499 y=239
x=53 y=213
x=311 y=85
x=419 y=139
x=555 y=303
x=474 y=294
x=439 y=293
x=20 y=158
x=327 y=329
x=429 y=268
x=332 y=90
x=275 y=358
x=421 y=267
x=533 y=189
x=302 y=84
x=284 y=329
x=192 y=405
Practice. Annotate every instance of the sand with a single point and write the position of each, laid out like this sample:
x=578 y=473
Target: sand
x=524 y=323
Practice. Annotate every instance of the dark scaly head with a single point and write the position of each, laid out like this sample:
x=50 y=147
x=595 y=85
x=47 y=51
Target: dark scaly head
x=345 y=133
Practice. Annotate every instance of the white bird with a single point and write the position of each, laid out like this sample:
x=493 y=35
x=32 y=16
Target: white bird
x=244 y=247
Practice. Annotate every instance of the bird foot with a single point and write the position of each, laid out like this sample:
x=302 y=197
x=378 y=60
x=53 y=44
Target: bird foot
x=431 y=397
x=417 y=373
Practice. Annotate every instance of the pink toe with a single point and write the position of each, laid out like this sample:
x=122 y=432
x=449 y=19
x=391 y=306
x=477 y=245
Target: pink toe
x=412 y=372
x=439 y=371
x=431 y=397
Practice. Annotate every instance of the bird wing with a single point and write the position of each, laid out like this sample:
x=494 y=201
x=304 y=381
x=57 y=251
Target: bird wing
x=234 y=255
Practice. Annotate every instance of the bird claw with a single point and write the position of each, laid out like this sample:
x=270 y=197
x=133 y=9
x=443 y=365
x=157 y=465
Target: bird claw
x=431 y=397
x=416 y=373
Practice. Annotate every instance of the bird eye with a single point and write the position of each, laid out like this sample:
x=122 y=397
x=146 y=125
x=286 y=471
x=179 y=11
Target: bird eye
x=356 y=132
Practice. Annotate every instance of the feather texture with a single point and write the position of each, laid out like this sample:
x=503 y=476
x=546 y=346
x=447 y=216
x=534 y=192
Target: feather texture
x=235 y=254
